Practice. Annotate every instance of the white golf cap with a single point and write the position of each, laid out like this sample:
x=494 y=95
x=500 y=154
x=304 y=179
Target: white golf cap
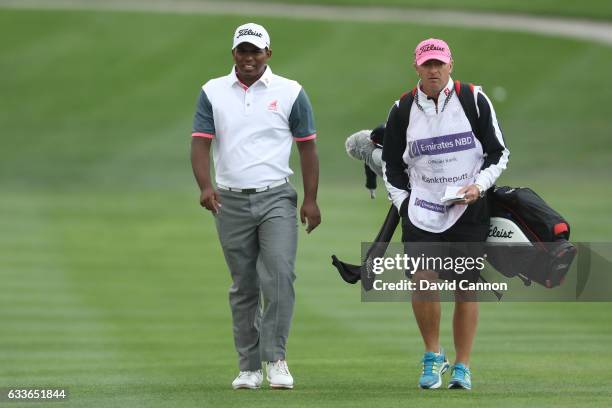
x=252 y=33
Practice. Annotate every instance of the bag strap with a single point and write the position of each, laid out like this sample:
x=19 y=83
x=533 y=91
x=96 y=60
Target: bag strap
x=465 y=93
x=405 y=106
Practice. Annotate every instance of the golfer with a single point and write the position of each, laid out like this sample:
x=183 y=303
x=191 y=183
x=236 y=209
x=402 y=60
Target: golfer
x=251 y=117
x=439 y=150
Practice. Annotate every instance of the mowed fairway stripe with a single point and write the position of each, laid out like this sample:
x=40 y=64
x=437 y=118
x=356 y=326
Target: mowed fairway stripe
x=600 y=32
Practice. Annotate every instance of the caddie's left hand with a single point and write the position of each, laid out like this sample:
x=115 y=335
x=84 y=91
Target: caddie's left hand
x=472 y=193
x=309 y=212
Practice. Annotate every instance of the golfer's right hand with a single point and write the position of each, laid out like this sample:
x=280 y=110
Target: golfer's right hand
x=209 y=199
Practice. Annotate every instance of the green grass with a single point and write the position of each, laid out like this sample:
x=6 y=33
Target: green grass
x=112 y=280
x=592 y=9
x=129 y=308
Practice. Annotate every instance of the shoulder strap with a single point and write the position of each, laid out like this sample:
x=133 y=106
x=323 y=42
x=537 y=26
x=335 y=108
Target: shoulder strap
x=405 y=106
x=465 y=93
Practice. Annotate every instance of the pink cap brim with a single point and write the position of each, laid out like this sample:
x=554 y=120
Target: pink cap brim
x=426 y=56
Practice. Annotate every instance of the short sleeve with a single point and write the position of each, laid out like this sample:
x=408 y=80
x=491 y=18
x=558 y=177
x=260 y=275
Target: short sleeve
x=301 y=119
x=203 y=121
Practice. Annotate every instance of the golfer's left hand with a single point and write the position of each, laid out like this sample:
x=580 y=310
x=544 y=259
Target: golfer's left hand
x=471 y=194
x=309 y=212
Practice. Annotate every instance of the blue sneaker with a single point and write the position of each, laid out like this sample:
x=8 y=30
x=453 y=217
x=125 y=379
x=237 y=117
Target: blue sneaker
x=434 y=365
x=461 y=378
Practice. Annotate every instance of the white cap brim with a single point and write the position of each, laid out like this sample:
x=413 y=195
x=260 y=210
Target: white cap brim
x=256 y=41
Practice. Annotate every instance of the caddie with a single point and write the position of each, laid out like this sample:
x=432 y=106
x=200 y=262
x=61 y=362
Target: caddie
x=433 y=147
x=251 y=118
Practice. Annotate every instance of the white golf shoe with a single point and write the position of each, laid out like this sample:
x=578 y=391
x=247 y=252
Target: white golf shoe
x=248 y=379
x=278 y=374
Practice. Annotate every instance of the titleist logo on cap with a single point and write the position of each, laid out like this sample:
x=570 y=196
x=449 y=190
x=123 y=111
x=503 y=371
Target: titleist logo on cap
x=248 y=31
x=430 y=47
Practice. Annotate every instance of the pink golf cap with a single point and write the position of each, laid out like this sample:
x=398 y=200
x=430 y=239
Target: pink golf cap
x=432 y=48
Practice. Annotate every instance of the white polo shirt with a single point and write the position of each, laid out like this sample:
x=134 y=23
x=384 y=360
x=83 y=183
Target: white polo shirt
x=253 y=127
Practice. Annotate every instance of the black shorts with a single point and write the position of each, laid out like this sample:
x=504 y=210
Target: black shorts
x=462 y=240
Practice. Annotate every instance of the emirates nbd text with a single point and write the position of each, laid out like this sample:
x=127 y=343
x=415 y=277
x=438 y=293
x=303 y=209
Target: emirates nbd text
x=464 y=284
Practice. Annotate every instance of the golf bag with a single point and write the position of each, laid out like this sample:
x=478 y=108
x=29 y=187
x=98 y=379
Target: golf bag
x=539 y=250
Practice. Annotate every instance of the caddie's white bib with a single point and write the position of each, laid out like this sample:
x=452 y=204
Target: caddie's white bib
x=441 y=151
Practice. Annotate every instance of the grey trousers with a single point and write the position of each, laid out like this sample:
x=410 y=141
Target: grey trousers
x=258 y=234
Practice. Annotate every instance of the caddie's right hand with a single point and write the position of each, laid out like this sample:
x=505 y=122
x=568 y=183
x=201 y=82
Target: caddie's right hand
x=209 y=199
